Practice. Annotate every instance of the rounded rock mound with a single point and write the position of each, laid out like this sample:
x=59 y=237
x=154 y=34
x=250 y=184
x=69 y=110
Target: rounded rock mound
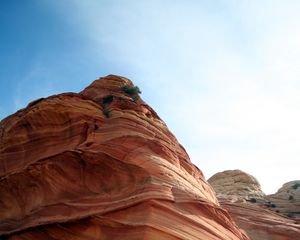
x=236 y=183
x=287 y=199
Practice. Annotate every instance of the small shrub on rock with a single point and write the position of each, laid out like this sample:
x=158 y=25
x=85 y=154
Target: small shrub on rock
x=108 y=99
x=106 y=113
x=291 y=197
x=273 y=205
x=270 y=204
x=296 y=185
x=253 y=200
x=133 y=91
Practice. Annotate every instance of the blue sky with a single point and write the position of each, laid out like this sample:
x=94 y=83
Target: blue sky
x=224 y=75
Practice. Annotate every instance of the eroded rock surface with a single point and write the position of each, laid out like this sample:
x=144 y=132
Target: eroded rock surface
x=287 y=199
x=101 y=164
x=261 y=216
x=236 y=183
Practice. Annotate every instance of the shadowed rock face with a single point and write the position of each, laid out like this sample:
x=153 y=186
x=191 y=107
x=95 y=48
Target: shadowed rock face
x=262 y=217
x=101 y=165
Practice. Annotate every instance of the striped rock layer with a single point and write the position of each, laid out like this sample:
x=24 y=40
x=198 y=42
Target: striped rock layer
x=101 y=164
x=267 y=217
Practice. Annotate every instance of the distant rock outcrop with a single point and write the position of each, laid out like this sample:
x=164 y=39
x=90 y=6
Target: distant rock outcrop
x=287 y=199
x=262 y=217
x=101 y=164
x=237 y=184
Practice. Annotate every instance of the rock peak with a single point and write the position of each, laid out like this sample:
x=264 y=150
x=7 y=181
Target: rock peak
x=102 y=165
x=111 y=82
x=236 y=183
x=109 y=85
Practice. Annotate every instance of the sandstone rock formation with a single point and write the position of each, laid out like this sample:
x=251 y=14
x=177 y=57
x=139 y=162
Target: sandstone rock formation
x=262 y=223
x=287 y=199
x=236 y=183
x=261 y=216
x=101 y=164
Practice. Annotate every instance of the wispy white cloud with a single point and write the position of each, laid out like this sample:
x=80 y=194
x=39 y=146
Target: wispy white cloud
x=224 y=75
x=32 y=86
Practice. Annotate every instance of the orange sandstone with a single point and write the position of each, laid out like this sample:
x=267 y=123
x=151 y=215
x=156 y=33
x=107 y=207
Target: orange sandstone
x=101 y=164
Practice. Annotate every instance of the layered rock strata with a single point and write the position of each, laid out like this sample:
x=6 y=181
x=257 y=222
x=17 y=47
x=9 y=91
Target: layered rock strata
x=287 y=199
x=101 y=164
x=261 y=216
x=236 y=183
x=260 y=222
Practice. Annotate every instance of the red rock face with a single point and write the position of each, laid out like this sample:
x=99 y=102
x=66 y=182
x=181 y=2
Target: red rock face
x=102 y=165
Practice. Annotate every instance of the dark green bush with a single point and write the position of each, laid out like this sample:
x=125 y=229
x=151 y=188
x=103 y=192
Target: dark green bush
x=108 y=99
x=106 y=113
x=270 y=204
x=291 y=197
x=296 y=185
x=133 y=91
x=253 y=200
x=290 y=214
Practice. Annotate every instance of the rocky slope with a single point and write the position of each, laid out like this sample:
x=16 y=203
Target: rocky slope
x=261 y=216
x=287 y=199
x=102 y=165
